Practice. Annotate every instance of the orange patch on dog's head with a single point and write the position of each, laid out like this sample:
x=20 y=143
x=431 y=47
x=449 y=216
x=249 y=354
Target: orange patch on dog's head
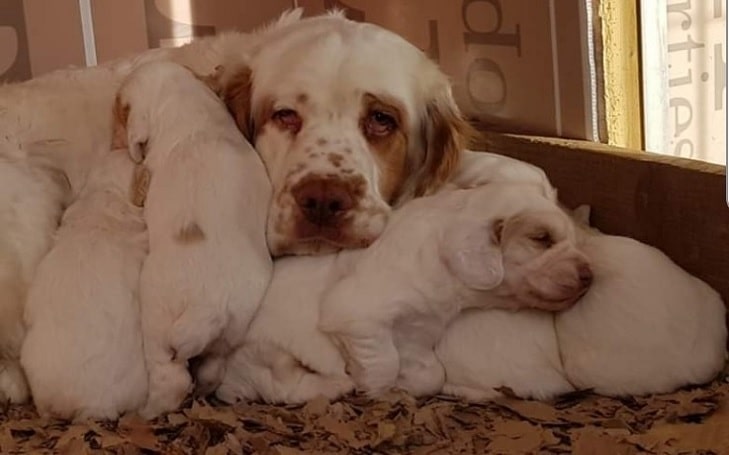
x=389 y=145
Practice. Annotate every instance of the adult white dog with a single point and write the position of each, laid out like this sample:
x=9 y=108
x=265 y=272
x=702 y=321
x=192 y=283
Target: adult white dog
x=286 y=358
x=645 y=326
x=83 y=352
x=208 y=265
x=349 y=119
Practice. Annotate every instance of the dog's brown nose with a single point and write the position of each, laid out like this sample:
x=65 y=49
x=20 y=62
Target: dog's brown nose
x=323 y=201
x=585 y=274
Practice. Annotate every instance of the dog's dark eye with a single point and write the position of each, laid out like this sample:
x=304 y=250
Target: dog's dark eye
x=379 y=124
x=544 y=239
x=289 y=119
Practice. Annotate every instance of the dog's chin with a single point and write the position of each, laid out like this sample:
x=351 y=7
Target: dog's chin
x=315 y=246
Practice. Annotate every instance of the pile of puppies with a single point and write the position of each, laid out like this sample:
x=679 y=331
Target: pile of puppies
x=160 y=281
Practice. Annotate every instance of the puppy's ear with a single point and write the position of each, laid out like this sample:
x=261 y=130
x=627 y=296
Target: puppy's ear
x=120 y=117
x=129 y=131
x=137 y=136
x=212 y=80
x=236 y=93
x=446 y=135
x=471 y=252
x=581 y=215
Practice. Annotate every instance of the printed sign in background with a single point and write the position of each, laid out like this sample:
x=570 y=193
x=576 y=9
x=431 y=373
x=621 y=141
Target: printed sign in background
x=696 y=47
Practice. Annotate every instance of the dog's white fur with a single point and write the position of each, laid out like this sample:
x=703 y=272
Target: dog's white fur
x=645 y=326
x=285 y=358
x=208 y=265
x=483 y=350
x=335 y=77
x=479 y=168
x=83 y=352
x=439 y=256
x=56 y=124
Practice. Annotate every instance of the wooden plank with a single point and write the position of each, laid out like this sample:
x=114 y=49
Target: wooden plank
x=674 y=204
x=620 y=52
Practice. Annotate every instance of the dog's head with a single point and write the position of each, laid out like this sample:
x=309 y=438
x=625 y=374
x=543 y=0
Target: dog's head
x=523 y=249
x=350 y=120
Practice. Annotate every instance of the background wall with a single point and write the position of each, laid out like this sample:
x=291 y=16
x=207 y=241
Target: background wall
x=521 y=63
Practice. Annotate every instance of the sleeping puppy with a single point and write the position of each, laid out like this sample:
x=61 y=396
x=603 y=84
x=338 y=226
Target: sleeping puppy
x=208 y=265
x=498 y=246
x=83 y=352
x=484 y=350
x=285 y=358
x=646 y=326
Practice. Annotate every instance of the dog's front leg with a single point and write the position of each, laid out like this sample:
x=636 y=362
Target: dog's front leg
x=371 y=357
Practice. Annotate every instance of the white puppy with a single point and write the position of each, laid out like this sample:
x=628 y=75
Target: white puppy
x=206 y=207
x=83 y=352
x=501 y=245
x=483 y=350
x=285 y=358
x=646 y=325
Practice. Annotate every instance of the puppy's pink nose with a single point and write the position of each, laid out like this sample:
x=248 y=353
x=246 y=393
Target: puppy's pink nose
x=585 y=274
x=323 y=201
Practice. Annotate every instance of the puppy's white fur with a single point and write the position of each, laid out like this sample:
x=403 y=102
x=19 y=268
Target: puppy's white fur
x=645 y=326
x=483 y=350
x=438 y=256
x=206 y=207
x=285 y=358
x=83 y=352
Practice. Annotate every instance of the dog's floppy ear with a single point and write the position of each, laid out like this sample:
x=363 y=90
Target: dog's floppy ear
x=236 y=93
x=130 y=131
x=471 y=251
x=137 y=137
x=120 y=117
x=446 y=135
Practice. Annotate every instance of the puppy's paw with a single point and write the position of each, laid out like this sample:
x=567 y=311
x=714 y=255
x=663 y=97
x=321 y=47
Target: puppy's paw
x=13 y=386
x=169 y=385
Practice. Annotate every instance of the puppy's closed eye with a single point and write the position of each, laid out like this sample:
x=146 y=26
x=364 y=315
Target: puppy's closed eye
x=543 y=238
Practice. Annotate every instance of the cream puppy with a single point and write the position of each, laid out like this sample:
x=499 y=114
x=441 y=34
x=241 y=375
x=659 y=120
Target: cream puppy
x=285 y=358
x=206 y=207
x=497 y=246
x=83 y=352
x=483 y=350
x=646 y=325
